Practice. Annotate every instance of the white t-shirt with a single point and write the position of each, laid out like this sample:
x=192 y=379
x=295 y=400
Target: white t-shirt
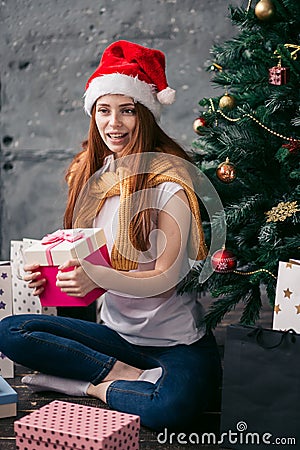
x=151 y=321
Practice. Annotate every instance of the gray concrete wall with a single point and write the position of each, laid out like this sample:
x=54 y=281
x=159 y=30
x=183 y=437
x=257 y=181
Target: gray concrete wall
x=48 y=50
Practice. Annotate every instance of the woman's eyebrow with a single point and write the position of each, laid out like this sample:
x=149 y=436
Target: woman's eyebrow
x=121 y=105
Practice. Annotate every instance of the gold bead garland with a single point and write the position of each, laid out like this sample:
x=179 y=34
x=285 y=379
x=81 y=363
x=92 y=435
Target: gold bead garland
x=230 y=119
x=254 y=272
x=262 y=125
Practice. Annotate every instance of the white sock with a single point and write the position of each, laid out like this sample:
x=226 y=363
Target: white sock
x=42 y=382
x=151 y=375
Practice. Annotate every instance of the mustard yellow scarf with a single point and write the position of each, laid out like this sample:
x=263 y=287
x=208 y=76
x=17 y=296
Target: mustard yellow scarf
x=163 y=168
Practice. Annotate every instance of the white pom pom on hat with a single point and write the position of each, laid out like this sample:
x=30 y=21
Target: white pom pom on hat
x=132 y=70
x=166 y=96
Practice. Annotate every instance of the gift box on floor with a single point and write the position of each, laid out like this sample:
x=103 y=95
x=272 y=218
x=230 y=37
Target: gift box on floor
x=63 y=425
x=6 y=365
x=60 y=246
x=287 y=299
x=8 y=400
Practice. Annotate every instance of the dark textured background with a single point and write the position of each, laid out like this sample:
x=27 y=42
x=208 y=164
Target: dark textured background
x=48 y=50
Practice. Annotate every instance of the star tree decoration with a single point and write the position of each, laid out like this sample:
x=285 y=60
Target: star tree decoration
x=277 y=309
x=287 y=293
x=282 y=211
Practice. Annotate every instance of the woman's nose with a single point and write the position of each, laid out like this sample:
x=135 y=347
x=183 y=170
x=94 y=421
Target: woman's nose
x=115 y=119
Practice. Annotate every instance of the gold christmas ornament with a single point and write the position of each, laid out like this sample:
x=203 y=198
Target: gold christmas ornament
x=227 y=101
x=264 y=10
x=282 y=211
x=226 y=171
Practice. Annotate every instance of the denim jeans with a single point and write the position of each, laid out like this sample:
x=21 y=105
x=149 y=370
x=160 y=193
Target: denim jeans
x=77 y=349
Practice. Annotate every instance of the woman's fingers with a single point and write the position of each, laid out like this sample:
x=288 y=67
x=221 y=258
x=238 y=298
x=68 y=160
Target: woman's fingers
x=38 y=290
x=34 y=279
x=31 y=267
x=73 y=292
x=33 y=276
x=37 y=283
x=70 y=263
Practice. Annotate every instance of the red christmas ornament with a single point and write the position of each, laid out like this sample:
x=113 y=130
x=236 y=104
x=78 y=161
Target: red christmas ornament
x=199 y=123
x=279 y=75
x=223 y=261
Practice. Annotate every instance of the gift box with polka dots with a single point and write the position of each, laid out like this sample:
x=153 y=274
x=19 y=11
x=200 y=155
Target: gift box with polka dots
x=63 y=426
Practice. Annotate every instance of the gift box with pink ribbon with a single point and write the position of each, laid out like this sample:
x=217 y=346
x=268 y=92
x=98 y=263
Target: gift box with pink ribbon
x=57 y=248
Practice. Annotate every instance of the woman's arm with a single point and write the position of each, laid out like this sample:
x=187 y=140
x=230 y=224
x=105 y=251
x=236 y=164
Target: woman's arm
x=173 y=231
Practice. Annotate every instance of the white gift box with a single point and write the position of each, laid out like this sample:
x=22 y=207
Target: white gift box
x=287 y=301
x=6 y=365
x=62 y=245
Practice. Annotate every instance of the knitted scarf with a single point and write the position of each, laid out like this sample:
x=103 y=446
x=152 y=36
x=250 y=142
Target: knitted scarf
x=124 y=254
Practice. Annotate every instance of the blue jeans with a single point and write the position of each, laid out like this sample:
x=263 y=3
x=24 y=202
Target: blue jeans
x=87 y=351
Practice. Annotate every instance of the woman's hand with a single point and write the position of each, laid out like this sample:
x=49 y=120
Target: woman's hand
x=74 y=282
x=34 y=278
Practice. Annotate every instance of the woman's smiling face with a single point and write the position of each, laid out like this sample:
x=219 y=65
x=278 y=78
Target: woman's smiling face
x=116 y=121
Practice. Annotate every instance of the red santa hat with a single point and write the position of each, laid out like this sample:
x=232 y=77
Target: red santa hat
x=132 y=70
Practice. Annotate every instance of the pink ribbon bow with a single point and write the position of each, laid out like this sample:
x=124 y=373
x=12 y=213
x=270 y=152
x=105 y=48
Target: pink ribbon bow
x=62 y=235
x=56 y=238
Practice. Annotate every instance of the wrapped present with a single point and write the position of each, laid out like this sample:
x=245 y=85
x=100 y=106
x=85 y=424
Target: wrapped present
x=287 y=299
x=24 y=302
x=8 y=400
x=60 y=246
x=68 y=425
x=279 y=75
x=6 y=365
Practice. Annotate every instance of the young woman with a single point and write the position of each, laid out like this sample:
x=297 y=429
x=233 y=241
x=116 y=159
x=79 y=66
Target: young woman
x=150 y=355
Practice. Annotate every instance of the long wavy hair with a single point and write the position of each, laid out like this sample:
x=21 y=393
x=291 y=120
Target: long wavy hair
x=147 y=137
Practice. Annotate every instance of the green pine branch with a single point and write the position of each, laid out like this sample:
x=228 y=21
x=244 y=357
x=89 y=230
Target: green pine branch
x=253 y=306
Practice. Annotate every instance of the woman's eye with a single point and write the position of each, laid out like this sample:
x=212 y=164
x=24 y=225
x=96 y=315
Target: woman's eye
x=130 y=111
x=102 y=110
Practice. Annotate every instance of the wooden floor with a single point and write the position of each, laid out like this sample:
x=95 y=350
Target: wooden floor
x=28 y=402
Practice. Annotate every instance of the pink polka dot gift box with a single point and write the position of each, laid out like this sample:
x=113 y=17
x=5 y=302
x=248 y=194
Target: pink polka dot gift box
x=63 y=426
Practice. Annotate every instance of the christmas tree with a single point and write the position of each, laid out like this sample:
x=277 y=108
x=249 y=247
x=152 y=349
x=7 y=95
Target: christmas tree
x=248 y=145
